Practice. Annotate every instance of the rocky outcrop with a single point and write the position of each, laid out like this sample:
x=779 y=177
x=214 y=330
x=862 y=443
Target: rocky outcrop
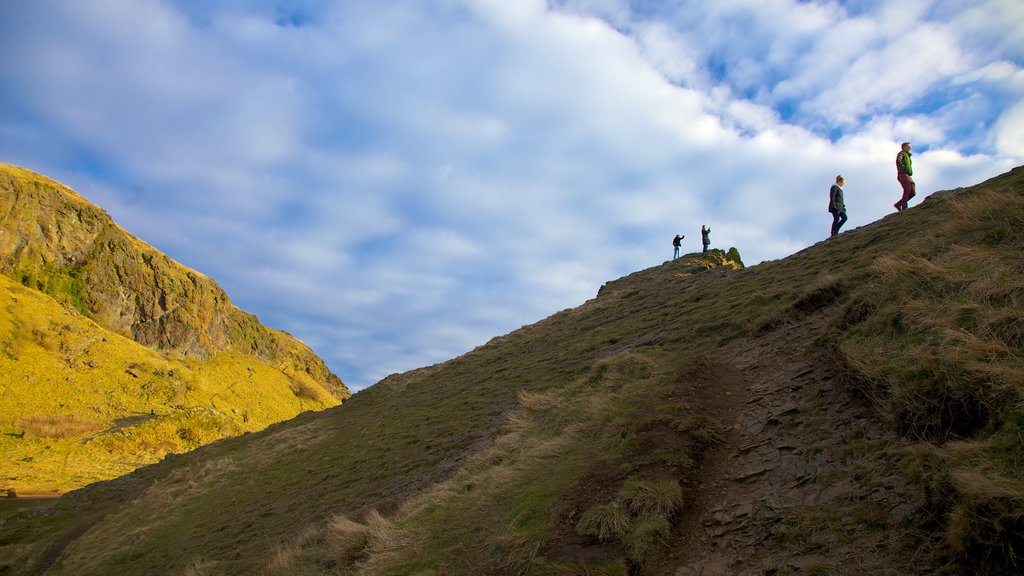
x=53 y=239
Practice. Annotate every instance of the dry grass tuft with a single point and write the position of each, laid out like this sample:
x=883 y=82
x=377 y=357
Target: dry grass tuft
x=621 y=369
x=538 y=401
x=704 y=430
x=57 y=426
x=347 y=542
x=199 y=567
x=649 y=533
x=986 y=528
x=604 y=521
x=935 y=339
x=516 y=554
x=659 y=497
x=994 y=214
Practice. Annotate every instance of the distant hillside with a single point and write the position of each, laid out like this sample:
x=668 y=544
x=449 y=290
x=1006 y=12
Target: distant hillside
x=852 y=409
x=113 y=355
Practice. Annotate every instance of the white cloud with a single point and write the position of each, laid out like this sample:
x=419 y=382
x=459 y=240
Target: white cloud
x=397 y=182
x=1010 y=132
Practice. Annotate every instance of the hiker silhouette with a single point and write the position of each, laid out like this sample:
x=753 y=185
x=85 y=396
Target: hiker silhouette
x=904 y=174
x=836 y=205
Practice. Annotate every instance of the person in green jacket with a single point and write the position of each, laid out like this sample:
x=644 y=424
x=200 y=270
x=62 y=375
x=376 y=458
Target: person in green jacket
x=904 y=174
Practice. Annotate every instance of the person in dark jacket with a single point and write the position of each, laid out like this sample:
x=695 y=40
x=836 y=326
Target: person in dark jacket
x=676 y=242
x=836 y=205
x=904 y=174
x=705 y=233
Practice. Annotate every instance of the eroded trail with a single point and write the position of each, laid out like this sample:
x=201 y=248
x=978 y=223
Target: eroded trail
x=773 y=499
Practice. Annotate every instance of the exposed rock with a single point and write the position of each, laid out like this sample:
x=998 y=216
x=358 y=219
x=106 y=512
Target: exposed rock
x=53 y=239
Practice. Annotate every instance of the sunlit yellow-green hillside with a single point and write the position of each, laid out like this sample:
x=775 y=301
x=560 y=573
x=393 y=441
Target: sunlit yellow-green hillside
x=856 y=408
x=80 y=399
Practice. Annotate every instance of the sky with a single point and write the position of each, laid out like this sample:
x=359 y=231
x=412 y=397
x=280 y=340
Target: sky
x=396 y=182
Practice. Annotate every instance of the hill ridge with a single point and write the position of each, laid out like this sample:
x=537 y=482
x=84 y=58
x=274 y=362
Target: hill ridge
x=73 y=283
x=851 y=409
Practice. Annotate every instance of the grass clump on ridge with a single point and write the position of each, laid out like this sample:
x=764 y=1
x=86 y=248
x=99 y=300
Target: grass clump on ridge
x=936 y=341
x=604 y=521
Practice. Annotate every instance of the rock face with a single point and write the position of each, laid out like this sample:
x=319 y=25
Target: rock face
x=53 y=239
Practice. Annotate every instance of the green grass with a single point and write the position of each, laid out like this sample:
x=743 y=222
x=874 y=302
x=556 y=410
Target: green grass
x=112 y=355
x=490 y=462
x=80 y=404
x=933 y=338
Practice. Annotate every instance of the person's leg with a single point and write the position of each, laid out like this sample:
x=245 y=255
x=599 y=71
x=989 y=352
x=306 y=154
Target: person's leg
x=908 y=191
x=835 y=224
x=911 y=193
x=842 y=220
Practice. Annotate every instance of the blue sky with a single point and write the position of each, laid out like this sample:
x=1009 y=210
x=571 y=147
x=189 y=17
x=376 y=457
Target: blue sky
x=395 y=182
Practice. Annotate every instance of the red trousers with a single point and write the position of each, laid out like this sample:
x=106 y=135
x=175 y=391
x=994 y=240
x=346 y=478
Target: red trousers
x=909 y=190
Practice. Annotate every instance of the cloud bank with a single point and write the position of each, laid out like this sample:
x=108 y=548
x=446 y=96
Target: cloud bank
x=397 y=182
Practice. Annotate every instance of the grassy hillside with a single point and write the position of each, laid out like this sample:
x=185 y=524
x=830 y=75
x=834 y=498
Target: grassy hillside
x=79 y=403
x=112 y=355
x=54 y=240
x=603 y=439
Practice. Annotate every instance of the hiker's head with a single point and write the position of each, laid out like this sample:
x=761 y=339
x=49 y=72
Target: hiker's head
x=906 y=146
x=840 y=179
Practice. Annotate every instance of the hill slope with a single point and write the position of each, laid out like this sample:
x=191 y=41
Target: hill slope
x=852 y=409
x=113 y=355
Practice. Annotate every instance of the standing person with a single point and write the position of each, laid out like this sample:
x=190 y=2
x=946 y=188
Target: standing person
x=904 y=174
x=836 y=205
x=676 y=242
x=705 y=233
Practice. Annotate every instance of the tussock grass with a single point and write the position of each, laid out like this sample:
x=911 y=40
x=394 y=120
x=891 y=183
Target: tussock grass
x=648 y=534
x=992 y=216
x=640 y=517
x=934 y=340
x=348 y=542
x=986 y=528
x=516 y=554
x=703 y=429
x=604 y=521
x=658 y=497
x=59 y=426
x=622 y=368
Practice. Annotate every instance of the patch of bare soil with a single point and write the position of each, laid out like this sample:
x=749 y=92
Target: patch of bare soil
x=778 y=495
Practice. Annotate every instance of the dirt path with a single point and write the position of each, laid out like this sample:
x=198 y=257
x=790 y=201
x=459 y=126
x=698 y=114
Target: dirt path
x=782 y=461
